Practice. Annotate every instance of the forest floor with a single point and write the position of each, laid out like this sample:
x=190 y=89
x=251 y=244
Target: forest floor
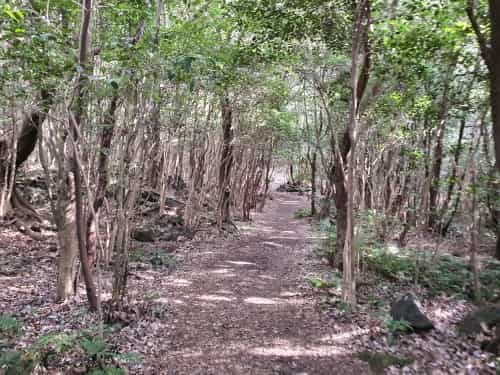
x=241 y=306
x=238 y=306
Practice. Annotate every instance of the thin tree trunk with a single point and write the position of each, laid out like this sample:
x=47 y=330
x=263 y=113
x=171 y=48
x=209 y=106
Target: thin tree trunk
x=490 y=51
x=75 y=122
x=226 y=163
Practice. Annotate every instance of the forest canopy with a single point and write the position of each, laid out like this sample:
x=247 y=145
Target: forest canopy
x=181 y=122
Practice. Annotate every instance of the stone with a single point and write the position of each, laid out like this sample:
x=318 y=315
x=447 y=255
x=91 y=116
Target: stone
x=488 y=316
x=379 y=361
x=407 y=308
x=144 y=235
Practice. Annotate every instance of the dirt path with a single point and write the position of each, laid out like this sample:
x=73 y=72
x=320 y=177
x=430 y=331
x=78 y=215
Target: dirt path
x=240 y=306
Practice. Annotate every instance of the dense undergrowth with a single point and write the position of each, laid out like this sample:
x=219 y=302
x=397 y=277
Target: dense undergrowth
x=439 y=273
x=90 y=353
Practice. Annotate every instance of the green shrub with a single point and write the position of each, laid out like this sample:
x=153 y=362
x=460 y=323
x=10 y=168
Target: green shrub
x=441 y=274
x=302 y=213
x=9 y=326
x=319 y=283
x=16 y=363
x=328 y=230
x=163 y=260
x=96 y=351
x=398 y=326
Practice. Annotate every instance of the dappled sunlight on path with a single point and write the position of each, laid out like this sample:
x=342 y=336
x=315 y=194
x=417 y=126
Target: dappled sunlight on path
x=241 y=306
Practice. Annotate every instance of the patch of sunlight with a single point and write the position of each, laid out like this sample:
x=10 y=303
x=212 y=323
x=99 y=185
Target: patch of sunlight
x=162 y=300
x=181 y=282
x=147 y=276
x=7 y=278
x=273 y=244
x=266 y=277
x=261 y=301
x=223 y=271
x=106 y=296
x=178 y=302
x=246 y=226
x=288 y=350
x=289 y=294
x=193 y=354
x=443 y=314
x=341 y=337
x=392 y=248
x=240 y=263
x=212 y=297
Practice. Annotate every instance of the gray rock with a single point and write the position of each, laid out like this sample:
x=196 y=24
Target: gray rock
x=408 y=309
x=144 y=235
x=379 y=361
x=488 y=316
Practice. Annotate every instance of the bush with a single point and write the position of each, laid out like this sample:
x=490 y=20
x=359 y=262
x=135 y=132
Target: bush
x=398 y=326
x=302 y=213
x=444 y=274
x=9 y=327
x=329 y=231
x=97 y=352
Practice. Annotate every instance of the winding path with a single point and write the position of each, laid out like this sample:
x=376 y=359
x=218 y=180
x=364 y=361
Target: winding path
x=242 y=306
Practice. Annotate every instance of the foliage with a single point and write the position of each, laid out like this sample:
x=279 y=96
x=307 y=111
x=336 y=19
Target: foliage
x=398 y=326
x=439 y=273
x=327 y=229
x=317 y=282
x=164 y=260
x=9 y=326
x=302 y=213
x=16 y=362
x=48 y=348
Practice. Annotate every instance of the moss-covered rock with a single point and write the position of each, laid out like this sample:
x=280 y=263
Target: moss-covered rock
x=379 y=361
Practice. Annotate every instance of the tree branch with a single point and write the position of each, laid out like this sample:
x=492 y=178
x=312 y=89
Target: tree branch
x=483 y=44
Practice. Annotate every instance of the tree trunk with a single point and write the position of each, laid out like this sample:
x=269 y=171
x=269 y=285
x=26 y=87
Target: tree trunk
x=26 y=142
x=340 y=196
x=75 y=122
x=226 y=163
x=491 y=56
x=437 y=161
x=313 y=183
x=68 y=242
x=102 y=178
x=360 y=65
x=495 y=104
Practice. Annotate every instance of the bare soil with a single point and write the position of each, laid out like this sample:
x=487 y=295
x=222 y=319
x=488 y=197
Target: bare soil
x=236 y=306
x=241 y=306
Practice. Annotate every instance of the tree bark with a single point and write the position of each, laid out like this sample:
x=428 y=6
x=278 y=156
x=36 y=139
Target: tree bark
x=226 y=163
x=75 y=122
x=26 y=142
x=491 y=56
x=437 y=160
x=340 y=197
x=313 y=164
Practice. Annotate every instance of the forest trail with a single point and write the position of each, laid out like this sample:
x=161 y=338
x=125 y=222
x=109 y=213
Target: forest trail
x=241 y=306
